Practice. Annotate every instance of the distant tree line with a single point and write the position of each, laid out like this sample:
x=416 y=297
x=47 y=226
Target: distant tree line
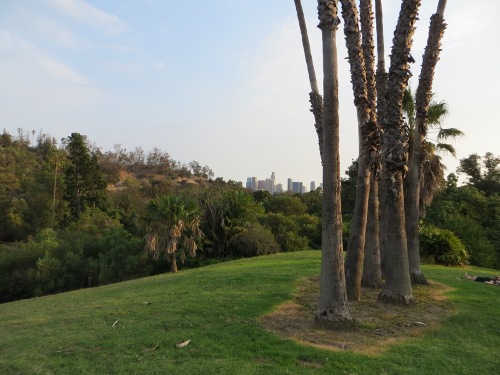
x=72 y=216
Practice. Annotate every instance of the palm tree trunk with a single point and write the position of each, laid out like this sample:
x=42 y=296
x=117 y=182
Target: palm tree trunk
x=314 y=96
x=332 y=304
x=371 y=267
x=423 y=99
x=173 y=263
x=366 y=131
x=372 y=275
x=397 y=288
x=381 y=82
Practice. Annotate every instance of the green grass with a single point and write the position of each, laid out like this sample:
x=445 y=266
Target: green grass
x=217 y=307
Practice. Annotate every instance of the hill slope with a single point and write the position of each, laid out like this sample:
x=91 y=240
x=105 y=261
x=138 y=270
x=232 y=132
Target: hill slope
x=133 y=327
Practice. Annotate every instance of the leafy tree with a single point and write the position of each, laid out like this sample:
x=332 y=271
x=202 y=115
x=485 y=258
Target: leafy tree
x=85 y=184
x=285 y=230
x=482 y=172
x=253 y=241
x=173 y=224
x=286 y=204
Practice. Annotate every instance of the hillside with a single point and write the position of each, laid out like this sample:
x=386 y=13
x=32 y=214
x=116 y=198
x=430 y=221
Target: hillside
x=133 y=327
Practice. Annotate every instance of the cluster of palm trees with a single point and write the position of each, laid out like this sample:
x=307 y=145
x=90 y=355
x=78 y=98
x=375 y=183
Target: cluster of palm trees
x=389 y=147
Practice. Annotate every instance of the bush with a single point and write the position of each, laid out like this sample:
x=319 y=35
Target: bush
x=285 y=230
x=253 y=241
x=442 y=246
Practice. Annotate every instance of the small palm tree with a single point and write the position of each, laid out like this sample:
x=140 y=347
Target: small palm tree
x=173 y=225
x=432 y=169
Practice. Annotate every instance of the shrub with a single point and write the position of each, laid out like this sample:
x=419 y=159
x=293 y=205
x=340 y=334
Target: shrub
x=285 y=230
x=442 y=246
x=253 y=241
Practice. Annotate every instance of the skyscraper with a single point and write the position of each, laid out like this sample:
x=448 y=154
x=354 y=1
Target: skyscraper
x=313 y=186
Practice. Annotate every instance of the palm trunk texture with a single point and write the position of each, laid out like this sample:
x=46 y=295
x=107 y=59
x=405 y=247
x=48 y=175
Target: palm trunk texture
x=371 y=267
x=423 y=99
x=366 y=130
x=314 y=96
x=332 y=304
x=397 y=288
x=381 y=78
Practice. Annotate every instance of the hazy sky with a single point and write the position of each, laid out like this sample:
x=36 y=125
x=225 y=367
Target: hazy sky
x=220 y=82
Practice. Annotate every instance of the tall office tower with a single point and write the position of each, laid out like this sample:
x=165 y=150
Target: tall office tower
x=313 y=186
x=261 y=185
x=290 y=185
x=269 y=185
x=279 y=188
x=254 y=183
x=304 y=189
x=273 y=177
x=249 y=183
x=297 y=187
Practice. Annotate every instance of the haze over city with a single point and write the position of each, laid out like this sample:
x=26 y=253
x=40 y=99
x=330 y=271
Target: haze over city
x=222 y=83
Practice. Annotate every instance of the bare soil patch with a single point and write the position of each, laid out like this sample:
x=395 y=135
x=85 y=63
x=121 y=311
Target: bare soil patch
x=377 y=325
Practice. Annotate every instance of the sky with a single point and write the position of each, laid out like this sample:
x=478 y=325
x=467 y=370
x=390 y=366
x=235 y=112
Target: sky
x=220 y=82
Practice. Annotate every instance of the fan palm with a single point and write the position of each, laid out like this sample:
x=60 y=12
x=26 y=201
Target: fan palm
x=432 y=172
x=173 y=225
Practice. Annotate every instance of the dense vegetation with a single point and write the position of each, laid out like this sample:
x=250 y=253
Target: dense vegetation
x=74 y=216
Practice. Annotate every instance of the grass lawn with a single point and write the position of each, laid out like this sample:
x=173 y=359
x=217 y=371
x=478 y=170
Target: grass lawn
x=133 y=327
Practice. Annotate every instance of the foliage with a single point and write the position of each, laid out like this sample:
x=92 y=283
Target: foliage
x=253 y=241
x=285 y=204
x=473 y=217
x=442 y=246
x=173 y=224
x=285 y=230
x=84 y=182
x=483 y=172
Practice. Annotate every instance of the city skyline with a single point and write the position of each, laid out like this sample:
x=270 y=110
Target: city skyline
x=269 y=184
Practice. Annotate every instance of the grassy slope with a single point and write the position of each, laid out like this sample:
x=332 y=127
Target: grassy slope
x=217 y=308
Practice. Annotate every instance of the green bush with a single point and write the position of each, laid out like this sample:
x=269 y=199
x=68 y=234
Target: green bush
x=442 y=246
x=285 y=230
x=253 y=241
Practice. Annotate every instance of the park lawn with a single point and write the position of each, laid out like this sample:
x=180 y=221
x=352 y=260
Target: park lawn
x=133 y=327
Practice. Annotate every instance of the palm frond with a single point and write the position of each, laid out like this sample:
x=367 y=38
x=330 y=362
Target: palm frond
x=446 y=148
x=446 y=133
x=437 y=112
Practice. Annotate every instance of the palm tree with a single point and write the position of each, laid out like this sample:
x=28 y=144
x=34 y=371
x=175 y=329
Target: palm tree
x=422 y=119
x=372 y=275
x=397 y=288
x=314 y=96
x=332 y=304
x=173 y=224
x=367 y=132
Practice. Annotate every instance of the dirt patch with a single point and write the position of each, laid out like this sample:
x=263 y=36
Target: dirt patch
x=377 y=325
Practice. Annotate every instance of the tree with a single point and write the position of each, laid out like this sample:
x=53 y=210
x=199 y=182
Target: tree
x=397 y=288
x=314 y=96
x=485 y=177
x=371 y=274
x=368 y=140
x=332 y=305
x=84 y=181
x=172 y=224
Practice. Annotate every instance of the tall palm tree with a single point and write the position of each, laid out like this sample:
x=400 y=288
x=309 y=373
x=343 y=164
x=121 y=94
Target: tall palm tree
x=397 y=288
x=173 y=226
x=332 y=304
x=372 y=275
x=367 y=131
x=314 y=96
x=423 y=102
